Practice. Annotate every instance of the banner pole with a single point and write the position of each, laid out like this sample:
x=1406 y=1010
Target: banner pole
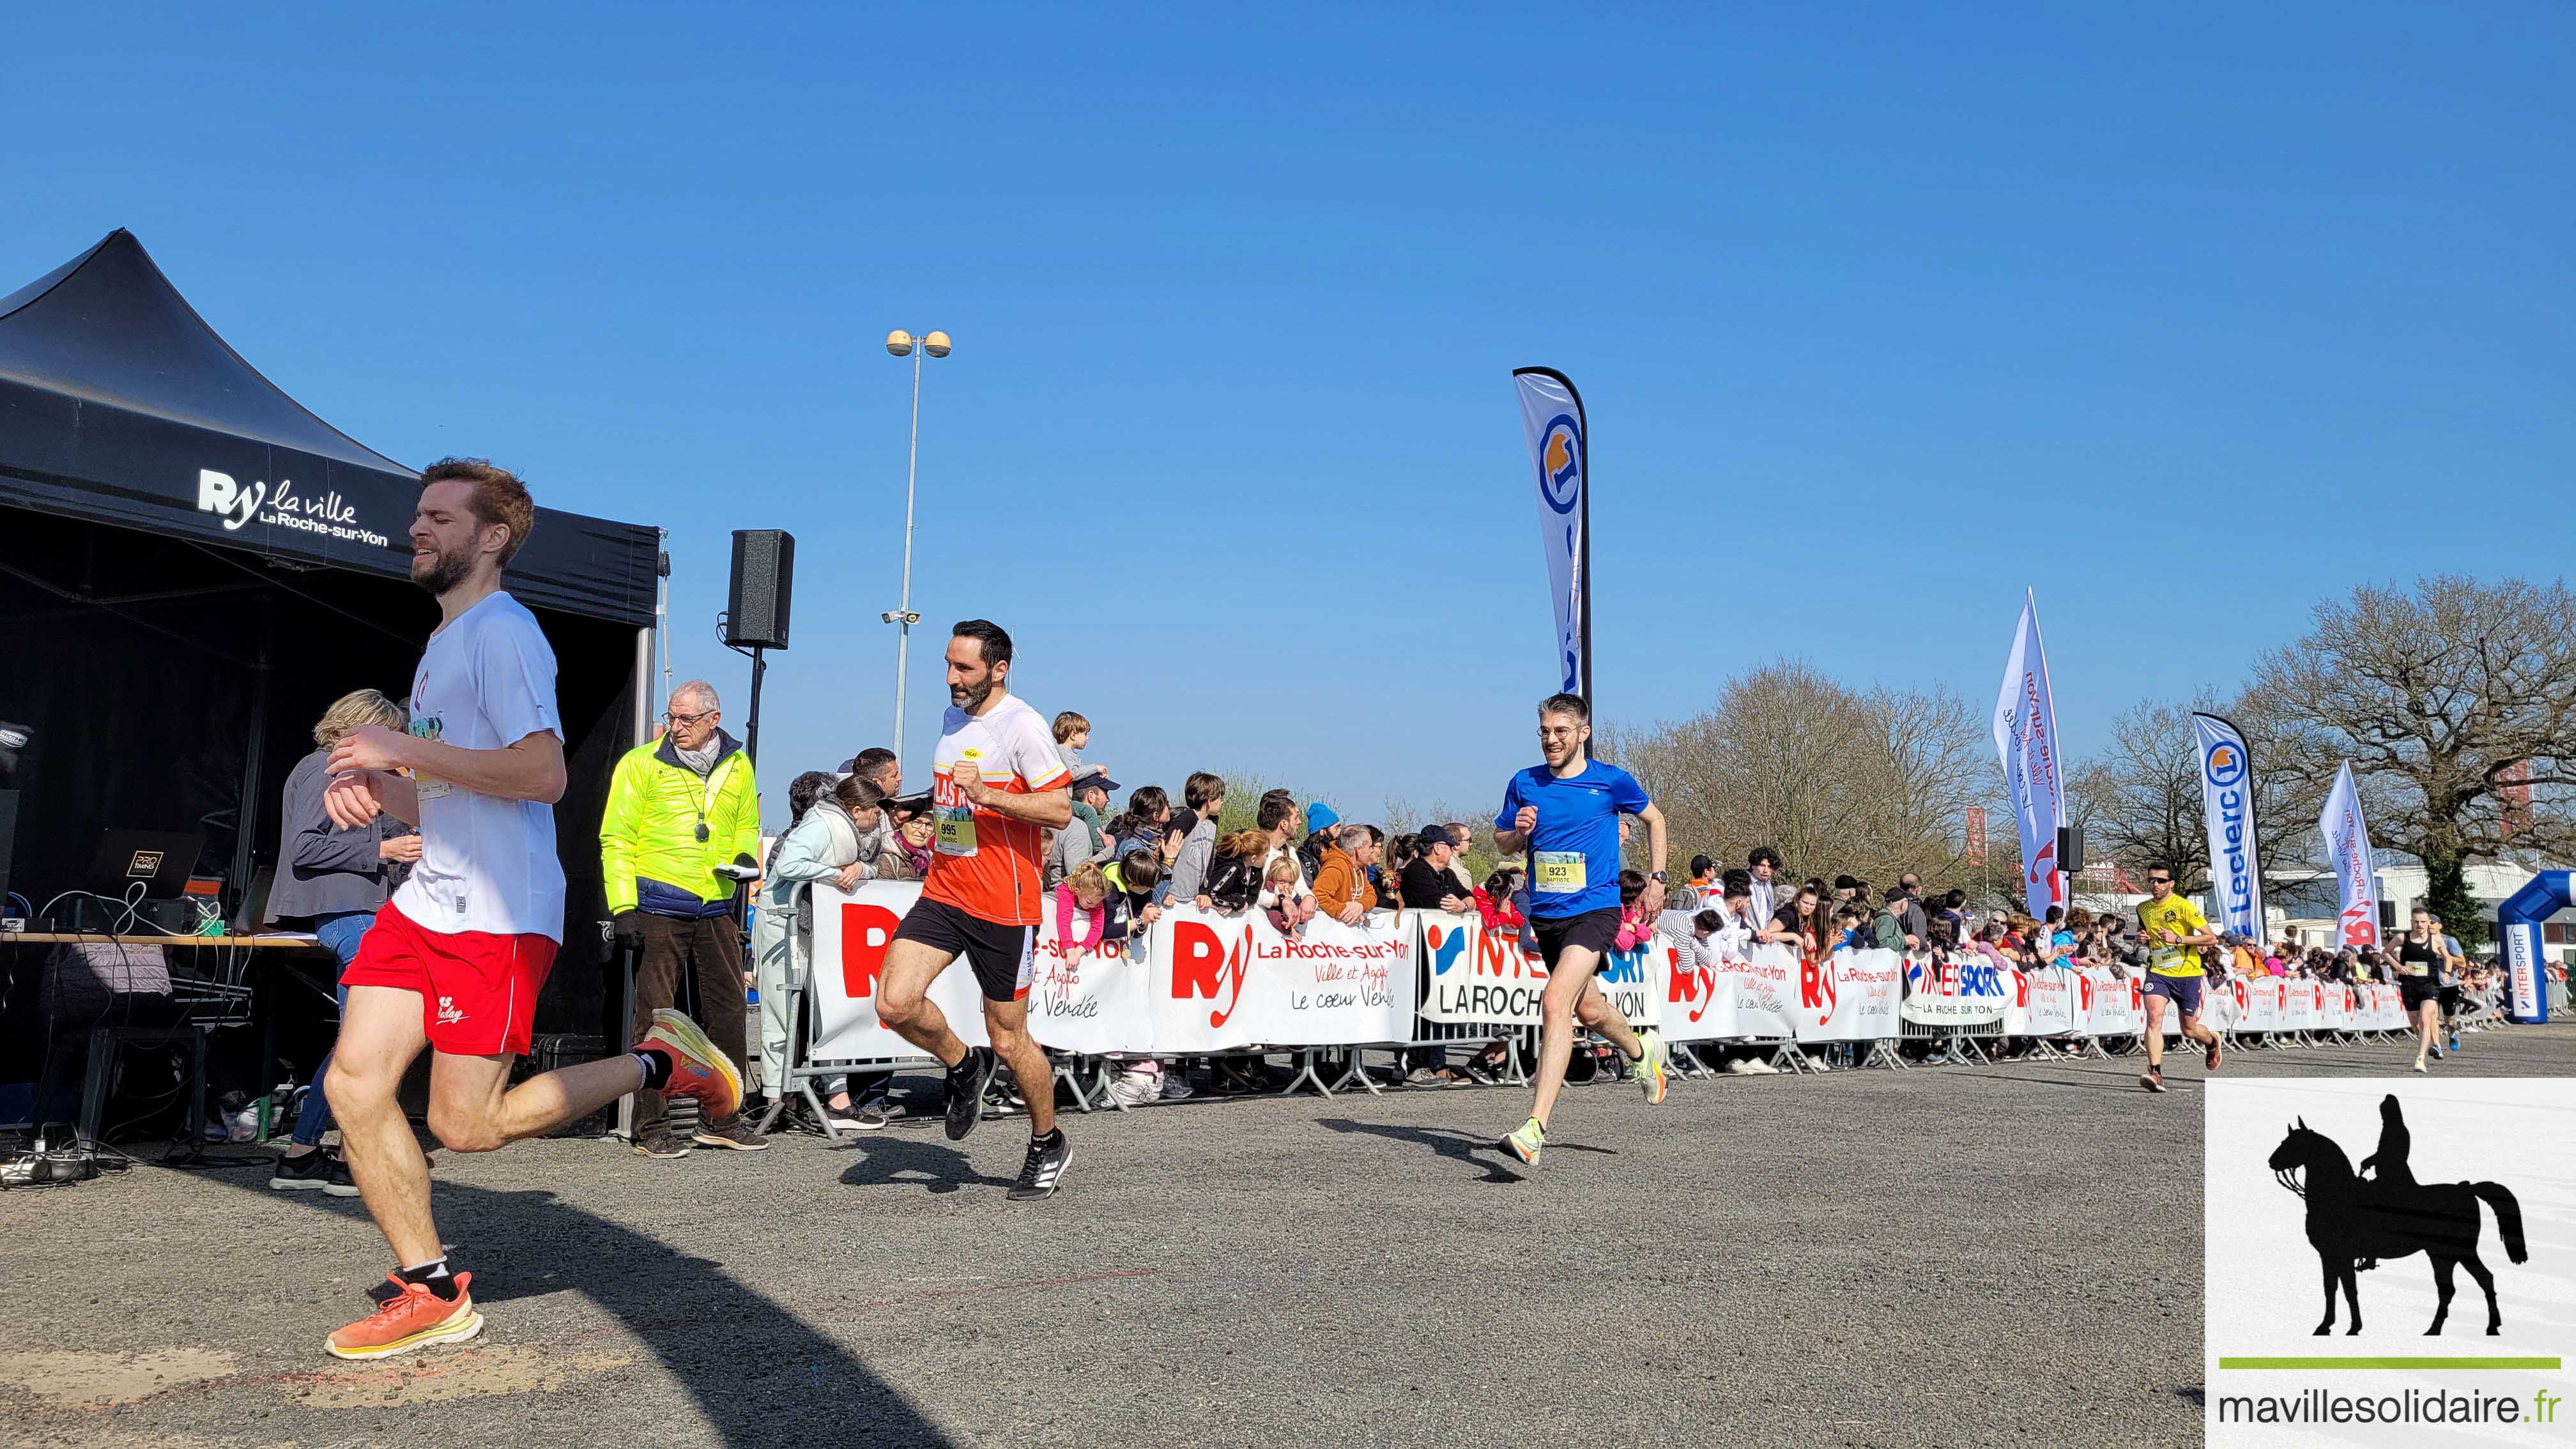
x=1583 y=564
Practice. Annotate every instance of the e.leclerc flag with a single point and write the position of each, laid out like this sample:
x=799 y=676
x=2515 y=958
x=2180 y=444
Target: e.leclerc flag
x=1560 y=455
x=2348 y=842
x=2026 y=738
x=2227 y=809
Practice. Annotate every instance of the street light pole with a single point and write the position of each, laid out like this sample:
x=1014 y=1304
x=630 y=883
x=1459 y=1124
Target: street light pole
x=936 y=344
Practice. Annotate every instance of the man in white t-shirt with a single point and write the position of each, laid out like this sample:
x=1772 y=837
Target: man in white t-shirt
x=454 y=961
x=997 y=786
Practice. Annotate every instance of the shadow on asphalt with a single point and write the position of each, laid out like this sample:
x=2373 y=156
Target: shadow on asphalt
x=741 y=1354
x=887 y=1160
x=2126 y=1084
x=1459 y=1146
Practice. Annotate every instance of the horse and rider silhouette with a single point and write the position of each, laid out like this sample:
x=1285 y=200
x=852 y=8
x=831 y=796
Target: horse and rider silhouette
x=2355 y=1222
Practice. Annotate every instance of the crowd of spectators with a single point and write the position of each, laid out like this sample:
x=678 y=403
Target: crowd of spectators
x=1112 y=875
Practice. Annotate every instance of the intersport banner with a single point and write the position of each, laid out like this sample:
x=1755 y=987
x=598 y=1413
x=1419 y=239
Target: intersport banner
x=1965 y=991
x=2347 y=838
x=1472 y=975
x=2026 y=738
x=2227 y=811
x=1478 y=976
x=1560 y=461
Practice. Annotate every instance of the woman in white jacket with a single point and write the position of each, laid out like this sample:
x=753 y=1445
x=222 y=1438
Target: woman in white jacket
x=831 y=819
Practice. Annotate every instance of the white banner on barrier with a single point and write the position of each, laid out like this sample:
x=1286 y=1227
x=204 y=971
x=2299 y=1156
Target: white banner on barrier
x=1213 y=983
x=2298 y=1005
x=2042 y=1002
x=2217 y=1006
x=1221 y=983
x=2388 y=1008
x=1848 y=996
x=1089 y=1001
x=1482 y=976
x=1636 y=981
x=2106 y=1005
x=851 y=933
x=1733 y=999
x=1475 y=975
x=1959 y=992
x=2258 y=1003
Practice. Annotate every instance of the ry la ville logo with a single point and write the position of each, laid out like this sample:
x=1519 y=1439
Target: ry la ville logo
x=236 y=505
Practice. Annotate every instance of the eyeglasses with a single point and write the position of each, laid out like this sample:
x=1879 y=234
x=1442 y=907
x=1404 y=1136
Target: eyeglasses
x=677 y=718
x=2160 y=880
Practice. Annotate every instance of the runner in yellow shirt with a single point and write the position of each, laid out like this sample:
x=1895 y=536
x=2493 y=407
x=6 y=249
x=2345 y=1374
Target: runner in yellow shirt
x=2174 y=931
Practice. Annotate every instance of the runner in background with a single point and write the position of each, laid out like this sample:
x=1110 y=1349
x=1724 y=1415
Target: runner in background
x=2174 y=931
x=2421 y=960
x=1565 y=813
x=998 y=785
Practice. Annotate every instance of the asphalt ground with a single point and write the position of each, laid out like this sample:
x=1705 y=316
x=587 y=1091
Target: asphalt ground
x=1951 y=1256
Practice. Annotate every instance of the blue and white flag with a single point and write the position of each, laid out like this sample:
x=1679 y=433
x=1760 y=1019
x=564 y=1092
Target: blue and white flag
x=2227 y=807
x=1559 y=445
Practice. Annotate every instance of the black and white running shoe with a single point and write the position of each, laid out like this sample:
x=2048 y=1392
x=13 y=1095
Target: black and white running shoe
x=966 y=1083
x=1044 y=1170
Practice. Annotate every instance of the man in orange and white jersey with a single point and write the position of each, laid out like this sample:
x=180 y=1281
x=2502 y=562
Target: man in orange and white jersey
x=997 y=786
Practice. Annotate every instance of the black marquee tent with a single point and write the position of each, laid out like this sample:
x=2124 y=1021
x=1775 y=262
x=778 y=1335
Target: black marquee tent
x=192 y=566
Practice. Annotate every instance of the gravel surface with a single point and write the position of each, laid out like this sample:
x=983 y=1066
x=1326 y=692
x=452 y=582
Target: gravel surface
x=1931 y=1257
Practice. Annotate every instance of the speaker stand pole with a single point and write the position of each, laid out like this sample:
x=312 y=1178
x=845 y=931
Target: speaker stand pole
x=751 y=726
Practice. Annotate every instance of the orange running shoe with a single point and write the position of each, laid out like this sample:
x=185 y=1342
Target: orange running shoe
x=408 y=1317
x=698 y=1068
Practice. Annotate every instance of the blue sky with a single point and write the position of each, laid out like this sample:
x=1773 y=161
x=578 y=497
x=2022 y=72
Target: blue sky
x=2185 y=317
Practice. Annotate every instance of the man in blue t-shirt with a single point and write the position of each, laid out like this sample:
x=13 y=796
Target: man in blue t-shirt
x=1565 y=813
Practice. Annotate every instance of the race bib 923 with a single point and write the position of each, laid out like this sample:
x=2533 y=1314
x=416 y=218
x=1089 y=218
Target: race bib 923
x=1556 y=872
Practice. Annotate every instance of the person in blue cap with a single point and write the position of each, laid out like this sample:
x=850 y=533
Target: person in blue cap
x=1321 y=822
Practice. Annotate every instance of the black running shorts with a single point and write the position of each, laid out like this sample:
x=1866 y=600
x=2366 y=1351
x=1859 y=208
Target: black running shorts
x=1004 y=957
x=1595 y=931
x=2416 y=990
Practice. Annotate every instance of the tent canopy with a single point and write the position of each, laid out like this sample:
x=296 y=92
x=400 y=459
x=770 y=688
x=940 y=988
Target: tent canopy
x=192 y=567
x=119 y=405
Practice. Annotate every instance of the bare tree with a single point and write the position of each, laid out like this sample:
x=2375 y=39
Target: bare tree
x=2443 y=697
x=1869 y=783
x=2140 y=798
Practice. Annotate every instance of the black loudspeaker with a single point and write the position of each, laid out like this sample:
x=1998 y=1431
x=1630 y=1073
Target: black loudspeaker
x=2070 y=848
x=764 y=568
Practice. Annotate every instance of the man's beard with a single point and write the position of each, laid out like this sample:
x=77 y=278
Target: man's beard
x=446 y=570
x=970 y=698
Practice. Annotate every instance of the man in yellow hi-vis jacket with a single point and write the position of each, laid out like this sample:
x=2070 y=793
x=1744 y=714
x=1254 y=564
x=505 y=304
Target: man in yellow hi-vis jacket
x=683 y=814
